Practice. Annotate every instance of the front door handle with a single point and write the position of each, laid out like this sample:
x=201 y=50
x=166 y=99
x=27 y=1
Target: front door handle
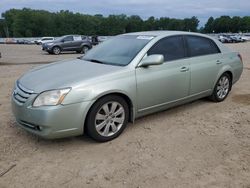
x=184 y=69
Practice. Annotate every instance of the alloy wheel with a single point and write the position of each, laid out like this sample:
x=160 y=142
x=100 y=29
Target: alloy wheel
x=223 y=87
x=109 y=119
x=56 y=50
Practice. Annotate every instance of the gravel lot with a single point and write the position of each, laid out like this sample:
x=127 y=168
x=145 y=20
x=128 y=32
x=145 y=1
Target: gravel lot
x=201 y=144
x=19 y=54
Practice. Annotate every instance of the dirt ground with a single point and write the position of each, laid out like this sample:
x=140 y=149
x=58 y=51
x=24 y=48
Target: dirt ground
x=18 y=54
x=201 y=144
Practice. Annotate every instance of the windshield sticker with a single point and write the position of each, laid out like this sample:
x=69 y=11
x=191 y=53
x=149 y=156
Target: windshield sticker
x=145 y=37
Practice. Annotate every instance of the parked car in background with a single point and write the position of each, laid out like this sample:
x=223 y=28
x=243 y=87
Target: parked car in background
x=225 y=39
x=236 y=38
x=44 y=40
x=94 y=40
x=246 y=37
x=23 y=41
x=121 y=79
x=77 y=43
x=10 y=41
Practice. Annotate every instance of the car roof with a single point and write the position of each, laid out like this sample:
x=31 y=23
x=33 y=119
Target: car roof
x=162 y=34
x=166 y=33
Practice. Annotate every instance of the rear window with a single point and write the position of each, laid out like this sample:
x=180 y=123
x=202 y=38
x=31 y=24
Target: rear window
x=198 y=46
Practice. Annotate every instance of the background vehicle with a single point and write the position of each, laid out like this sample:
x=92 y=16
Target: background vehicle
x=121 y=79
x=77 y=43
x=236 y=38
x=94 y=40
x=24 y=41
x=225 y=39
x=10 y=41
x=246 y=37
x=44 y=40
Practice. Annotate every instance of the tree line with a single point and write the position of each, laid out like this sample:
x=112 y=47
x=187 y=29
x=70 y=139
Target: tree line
x=225 y=24
x=37 y=23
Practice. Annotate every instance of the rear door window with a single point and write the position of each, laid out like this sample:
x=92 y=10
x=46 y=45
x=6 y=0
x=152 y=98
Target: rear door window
x=198 y=46
x=68 y=38
x=172 y=48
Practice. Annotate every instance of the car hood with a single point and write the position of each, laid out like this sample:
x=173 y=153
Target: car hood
x=64 y=74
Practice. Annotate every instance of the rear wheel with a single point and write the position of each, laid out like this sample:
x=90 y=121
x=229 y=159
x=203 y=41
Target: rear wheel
x=222 y=88
x=107 y=118
x=84 y=49
x=56 y=50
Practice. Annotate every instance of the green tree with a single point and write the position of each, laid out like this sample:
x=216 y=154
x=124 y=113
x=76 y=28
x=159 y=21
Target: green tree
x=209 y=26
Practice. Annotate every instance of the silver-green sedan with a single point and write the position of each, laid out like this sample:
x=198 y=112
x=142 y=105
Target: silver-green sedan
x=123 y=78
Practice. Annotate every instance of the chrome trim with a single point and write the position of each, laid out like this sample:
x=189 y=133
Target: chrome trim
x=23 y=88
x=21 y=94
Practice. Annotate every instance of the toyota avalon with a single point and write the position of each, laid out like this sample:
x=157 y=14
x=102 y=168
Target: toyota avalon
x=125 y=77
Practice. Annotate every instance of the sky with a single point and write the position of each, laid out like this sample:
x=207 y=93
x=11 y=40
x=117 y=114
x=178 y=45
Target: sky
x=203 y=9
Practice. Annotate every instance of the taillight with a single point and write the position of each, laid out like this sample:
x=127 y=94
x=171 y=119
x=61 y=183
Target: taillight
x=240 y=58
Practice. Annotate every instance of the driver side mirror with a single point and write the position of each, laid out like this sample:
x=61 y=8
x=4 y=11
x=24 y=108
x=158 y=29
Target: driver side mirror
x=156 y=59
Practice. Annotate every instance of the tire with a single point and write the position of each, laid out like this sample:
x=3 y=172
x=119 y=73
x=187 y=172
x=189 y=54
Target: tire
x=56 y=50
x=84 y=49
x=222 y=88
x=104 y=123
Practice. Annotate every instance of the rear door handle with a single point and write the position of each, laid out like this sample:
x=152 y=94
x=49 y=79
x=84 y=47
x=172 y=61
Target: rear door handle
x=218 y=62
x=184 y=69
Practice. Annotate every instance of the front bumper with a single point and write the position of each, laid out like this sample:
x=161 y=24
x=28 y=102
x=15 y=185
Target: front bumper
x=46 y=48
x=51 y=121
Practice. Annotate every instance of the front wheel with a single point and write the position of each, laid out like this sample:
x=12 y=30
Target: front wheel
x=222 y=88
x=56 y=50
x=107 y=118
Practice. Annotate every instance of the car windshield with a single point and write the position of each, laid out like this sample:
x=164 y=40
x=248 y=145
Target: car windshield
x=120 y=50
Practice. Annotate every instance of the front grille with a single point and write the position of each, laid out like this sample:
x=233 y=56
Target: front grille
x=21 y=94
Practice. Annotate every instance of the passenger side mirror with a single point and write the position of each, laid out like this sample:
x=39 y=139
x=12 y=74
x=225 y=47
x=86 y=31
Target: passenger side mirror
x=156 y=59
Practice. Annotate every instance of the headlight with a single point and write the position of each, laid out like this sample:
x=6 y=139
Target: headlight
x=50 y=43
x=51 y=98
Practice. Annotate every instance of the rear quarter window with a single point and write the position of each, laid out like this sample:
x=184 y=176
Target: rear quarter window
x=198 y=46
x=77 y=38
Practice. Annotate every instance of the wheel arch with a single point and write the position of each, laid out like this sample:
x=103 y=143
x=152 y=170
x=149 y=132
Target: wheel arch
x=230 y=74
x=86 y=44
x=120 y=94
x=226 y=69
x=57 y=46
